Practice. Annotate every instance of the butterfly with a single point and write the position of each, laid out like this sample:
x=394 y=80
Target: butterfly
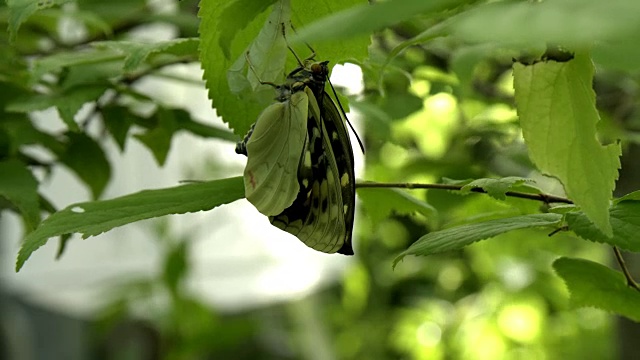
x=322 y=213
x=274 y=146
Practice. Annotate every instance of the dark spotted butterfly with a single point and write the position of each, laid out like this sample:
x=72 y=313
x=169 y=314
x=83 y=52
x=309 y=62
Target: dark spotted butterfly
x=322 y=213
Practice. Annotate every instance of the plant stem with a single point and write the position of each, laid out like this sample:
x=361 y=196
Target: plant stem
x=630 y=282
x=546 y=198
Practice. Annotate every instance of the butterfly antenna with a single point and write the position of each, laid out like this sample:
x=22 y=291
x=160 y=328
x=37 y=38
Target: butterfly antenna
x=310 y=57
x=345 y=115
x=284 y=35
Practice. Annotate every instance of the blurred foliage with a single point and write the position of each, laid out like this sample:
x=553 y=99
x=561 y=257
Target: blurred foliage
x=438 y=103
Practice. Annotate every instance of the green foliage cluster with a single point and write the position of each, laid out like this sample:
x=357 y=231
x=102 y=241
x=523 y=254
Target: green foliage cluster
x=500 y=93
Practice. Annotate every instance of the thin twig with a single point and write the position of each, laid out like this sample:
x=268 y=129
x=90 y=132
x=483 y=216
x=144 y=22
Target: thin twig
x=630 y=282
x=561 y=228
x=546 y=198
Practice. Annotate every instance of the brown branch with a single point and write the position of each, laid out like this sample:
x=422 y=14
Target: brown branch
x=623 y=266
x=546 y=198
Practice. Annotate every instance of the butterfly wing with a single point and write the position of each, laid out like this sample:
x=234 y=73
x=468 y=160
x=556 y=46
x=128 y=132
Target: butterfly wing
x=273 y=150
x=322 y=214
x=342 y=155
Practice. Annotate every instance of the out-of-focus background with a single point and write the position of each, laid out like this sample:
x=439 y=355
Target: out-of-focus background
x=225 y=284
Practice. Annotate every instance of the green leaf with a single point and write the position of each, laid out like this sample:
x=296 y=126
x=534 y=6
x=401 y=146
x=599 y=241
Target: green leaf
x=618 y=54
x=137 y=53
x=23 y=132
x=91 y=74
x=21 y=10
x=67 y=102
x=118 y=120
x=95 y=217
x=547 y=22
x=175 y=266
x=635 y=195
x=625 y=221
x=158 y=139
x=241 y=111
x=461 y=236
x=365 y=18
x=207 y=131
x=88 y=161
x=237 y=15
x=268 y=54
x=381 y=202
x=593 y=284
x=59 y=61
x=18 y=185
x=556 y=105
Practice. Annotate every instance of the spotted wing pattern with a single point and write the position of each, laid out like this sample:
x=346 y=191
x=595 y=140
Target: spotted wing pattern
x=322 y=214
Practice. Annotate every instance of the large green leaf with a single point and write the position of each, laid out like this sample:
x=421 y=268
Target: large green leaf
x=556 y=105
x=96 y=217
x=460 y=236
x=593 y=284
x=241 y=111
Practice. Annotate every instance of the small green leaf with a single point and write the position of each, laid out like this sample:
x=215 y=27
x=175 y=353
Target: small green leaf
x=18 y=185
x=593 y=284
x=21 y=10
x=625 y=221
x=68 y=102
x=185 y=122
x=380 y=203
x=23 y=132
x=72 y=100
x=137 y=53
x=460 y=236
x=88 y=161
x=59 y=61
x=175 y=266
x=118 y=120
x=95 y=217
x=91 y=74
x=556 y=105
x=158 y=139
x=497 y=188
